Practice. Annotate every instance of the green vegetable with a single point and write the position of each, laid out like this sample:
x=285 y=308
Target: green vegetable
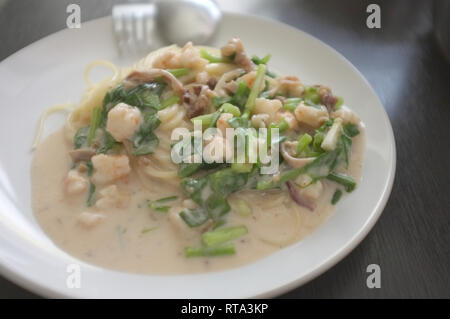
x=230 y=108
x=212 y=58
x=90 y=168
x=339 y=103
x=227 y=181
x=237 y=122
x=193 y=187
x=218 y=101
x=347 y=181
x=351 y=130
x=311 y=94
x=220 y=236
x=80 y=138
x=242 y=167
x=187 y=169
x=336 y=196
x=242 y=207
x=166 y=199
x=345 y=144
x=179 y=72
x=194 y=217
x=145 y=140
x=161 y=209
x=292 y=103
x=216 y=206
x=303 y=142
x=259 y=61
x=95 y=122
x=226 y=249
x=171 y=100
x=206 y=119
x=320 y=167
x=282 y=125
x=317 y=142
x=254 y=92
x=241 y=96
x=106 y=143
x=91 y=197
x=147 y=230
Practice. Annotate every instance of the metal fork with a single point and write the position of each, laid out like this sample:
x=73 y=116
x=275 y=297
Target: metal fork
x=140 y=28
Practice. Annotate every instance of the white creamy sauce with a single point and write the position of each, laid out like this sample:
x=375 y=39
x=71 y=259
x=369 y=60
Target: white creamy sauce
x=118 y=241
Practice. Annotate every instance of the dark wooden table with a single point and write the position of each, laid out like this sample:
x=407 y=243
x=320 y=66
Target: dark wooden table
x=411 y=241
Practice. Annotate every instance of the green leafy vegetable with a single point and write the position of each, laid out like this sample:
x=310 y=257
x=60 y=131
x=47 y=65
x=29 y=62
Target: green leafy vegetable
x=254 y=92
x=227 y=181
x=95 y=122
x=222 y=250
x=179 y=72
x=220 y=236
x=194 y=217
x=91 y=196
x=347 y=181
x=193 y=187
x=351 y=130
x=216 y=205
x=336 y=196
x=80 y=138
x=212 y=58
x=259 y=61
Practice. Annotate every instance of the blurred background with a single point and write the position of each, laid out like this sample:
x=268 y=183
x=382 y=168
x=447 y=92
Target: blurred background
x=409 y=71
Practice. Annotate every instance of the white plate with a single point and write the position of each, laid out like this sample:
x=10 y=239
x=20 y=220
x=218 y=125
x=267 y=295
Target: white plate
x=50 y=71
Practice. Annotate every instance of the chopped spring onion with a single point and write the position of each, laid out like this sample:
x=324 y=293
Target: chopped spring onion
x=171 y=100
x=212 y=58
x=220 y=236
x=336 y=196
x=226 y=249
x=242 y=167
x=339 y=103
x=95 y=122
x=91 y=197
x=254 y=92
x=292 y=103
x=179 y=72
x=147 y=230
x=347 y=181
x=242 y=207
x=303 y=143
x=230 y=108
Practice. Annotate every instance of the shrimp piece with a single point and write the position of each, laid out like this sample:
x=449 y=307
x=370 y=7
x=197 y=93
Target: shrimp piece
x=312 y=191
x=346 y=115
x=111 y=197
x=288 y=116
x=222 y=123
x=108 y=168
x=260 y=120
x=311 y=116
x=189 y=57
x=123 y=121
x=75 y=183
x=269 y=107
x=290 y=86
x=89 y=220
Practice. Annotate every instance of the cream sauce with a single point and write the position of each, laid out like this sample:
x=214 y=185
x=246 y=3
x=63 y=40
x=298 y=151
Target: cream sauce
x=119 y=243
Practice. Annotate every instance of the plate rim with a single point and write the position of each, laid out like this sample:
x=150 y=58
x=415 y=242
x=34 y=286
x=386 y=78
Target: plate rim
x=332 y=259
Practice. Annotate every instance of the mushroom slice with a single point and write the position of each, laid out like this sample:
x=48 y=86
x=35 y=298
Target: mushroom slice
x=287 y=149
x=138 y=77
